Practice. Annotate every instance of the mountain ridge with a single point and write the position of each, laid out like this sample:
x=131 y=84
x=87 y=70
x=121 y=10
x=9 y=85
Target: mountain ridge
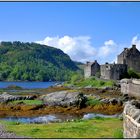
x=34 y=62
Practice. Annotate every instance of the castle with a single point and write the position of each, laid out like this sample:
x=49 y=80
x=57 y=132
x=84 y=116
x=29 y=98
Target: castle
x=129 y=58
x=91 y=68
x=113 y=71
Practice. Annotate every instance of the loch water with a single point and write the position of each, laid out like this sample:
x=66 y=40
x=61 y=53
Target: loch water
x=51 y=118
x=29 y=85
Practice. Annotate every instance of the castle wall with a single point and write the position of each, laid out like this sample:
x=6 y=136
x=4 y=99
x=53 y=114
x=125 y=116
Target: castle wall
x=94 y=69
x=131 y=125
x=87 y=71
x=134 y=63
x=120 y=59
x=131 y=57
x=131 y=113
x=113 y=71
x=91 y=69
x=131 y=87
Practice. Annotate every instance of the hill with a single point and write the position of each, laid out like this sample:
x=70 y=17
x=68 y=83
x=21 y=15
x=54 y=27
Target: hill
x=34 y=62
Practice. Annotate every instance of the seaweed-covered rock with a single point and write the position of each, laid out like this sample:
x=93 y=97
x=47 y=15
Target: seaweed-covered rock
x=5 y=97
x=113 y=101
x=65 y=98
x=105 y=101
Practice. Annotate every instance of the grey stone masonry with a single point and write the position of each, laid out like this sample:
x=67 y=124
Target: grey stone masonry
x=131 y=120
x=91 y=68
x=130 y=57
x=131 y=87
x=113 y=71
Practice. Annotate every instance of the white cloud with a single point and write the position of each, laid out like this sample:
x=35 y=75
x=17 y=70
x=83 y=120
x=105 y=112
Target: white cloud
x=108 y=48
x=109 y=43
x=136 y=41
x=78 y=48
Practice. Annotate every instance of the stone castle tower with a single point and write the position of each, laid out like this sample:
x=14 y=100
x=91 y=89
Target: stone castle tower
x=91 y=68
x=130 y=57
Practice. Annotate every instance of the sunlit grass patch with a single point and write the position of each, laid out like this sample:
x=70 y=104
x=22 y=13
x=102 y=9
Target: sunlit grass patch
x=27 y=102
x=93 y=128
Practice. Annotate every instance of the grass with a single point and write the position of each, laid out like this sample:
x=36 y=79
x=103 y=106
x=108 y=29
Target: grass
x=93 y=102
x=94 y=128
x=28 y=102
x=118 y=133
x=93 y=82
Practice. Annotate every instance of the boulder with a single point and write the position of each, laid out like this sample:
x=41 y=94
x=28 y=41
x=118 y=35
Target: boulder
x=5 y=97
x=65 y=99
x=120 y=102
x=113 y=101
x=105 y=101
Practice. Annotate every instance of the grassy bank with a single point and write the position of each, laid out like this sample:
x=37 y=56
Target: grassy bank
x=92 y=82
x=94 y=128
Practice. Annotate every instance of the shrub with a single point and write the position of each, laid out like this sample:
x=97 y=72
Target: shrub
x=102 y=83
x=76 y=78
x=133 y=74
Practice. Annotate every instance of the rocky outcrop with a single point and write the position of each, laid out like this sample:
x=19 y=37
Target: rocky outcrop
x=131 y=117
x=64 y=99
x=7 y=97
x=112 y=101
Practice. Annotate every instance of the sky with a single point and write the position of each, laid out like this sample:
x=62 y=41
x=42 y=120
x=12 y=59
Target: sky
x=86 y=31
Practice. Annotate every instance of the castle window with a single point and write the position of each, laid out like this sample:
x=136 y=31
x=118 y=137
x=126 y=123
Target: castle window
x=107 y=67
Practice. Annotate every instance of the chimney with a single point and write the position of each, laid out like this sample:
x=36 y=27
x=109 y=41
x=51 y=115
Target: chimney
x=133 y=46
x=88 y=62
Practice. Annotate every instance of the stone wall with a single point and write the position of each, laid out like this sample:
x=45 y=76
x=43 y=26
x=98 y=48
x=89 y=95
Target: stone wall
x=131 y=57
x=87 y=71
x=131 y=87
x=131 y=113
x=131 y=120
x=94 y=69
x=113 y=71
x=91 y=68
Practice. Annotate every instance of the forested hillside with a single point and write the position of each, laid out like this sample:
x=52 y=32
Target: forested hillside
x=34 y=62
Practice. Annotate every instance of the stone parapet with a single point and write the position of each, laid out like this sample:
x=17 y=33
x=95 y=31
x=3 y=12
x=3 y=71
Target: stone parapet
x=131 y=117
x=131 y=87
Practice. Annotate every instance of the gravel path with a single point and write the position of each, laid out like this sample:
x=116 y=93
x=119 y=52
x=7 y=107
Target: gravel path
x=6 y=134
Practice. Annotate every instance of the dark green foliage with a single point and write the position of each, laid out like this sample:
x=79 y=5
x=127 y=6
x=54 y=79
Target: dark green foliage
x=76 y=77
x=133 y=74
x=98 y=74
x=34 y=62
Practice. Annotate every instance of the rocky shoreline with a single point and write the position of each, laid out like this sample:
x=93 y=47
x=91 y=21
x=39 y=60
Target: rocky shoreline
x=61 y=100
x=64 y=100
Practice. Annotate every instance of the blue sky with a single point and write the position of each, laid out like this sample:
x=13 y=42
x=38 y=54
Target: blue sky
x=84 y=30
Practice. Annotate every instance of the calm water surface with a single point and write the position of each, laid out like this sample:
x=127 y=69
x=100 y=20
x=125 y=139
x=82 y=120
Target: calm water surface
x=56 y=118
x=29 y=85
